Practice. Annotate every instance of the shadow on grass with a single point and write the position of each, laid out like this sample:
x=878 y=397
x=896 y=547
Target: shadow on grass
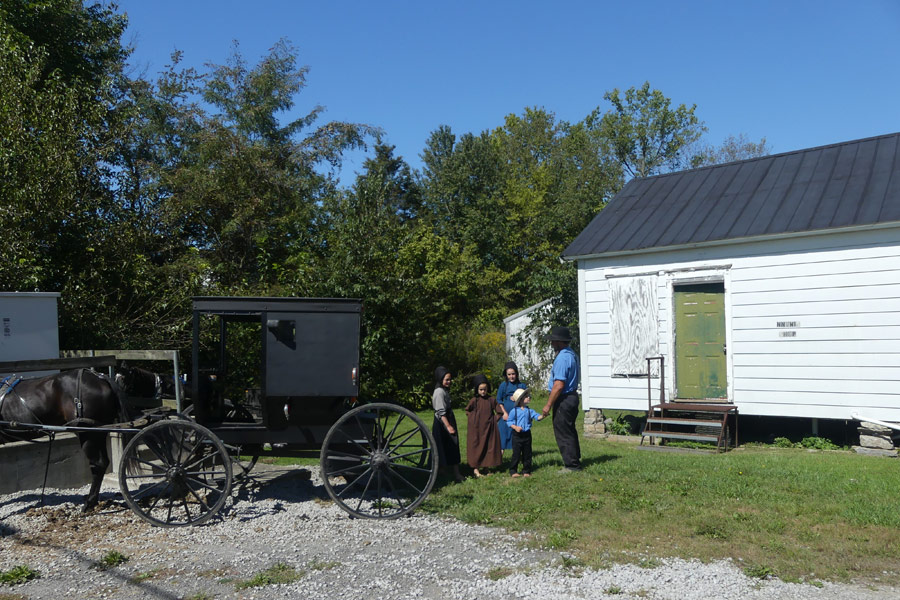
x=597 y=460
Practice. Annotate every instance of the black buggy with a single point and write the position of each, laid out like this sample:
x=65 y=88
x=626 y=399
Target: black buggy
x=277 y=377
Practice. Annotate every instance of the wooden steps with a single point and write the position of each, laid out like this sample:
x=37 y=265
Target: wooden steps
x=695 y=421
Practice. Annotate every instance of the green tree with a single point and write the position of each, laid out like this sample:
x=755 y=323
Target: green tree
x=416 y=285
x=645 y=133
x=159 y=270
x=515 y=197
x=58 y=129
x=558 y=177
x=246 y=198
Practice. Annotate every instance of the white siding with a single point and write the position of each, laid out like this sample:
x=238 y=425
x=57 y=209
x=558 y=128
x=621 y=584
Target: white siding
x=813 y=323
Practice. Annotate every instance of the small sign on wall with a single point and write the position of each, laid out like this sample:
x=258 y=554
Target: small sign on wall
x=787 y=329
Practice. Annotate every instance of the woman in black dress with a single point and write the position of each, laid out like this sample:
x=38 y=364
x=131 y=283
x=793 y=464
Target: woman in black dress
x=444 y=426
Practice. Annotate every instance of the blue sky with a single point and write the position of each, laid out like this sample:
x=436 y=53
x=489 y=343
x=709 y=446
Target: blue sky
x=799 y=73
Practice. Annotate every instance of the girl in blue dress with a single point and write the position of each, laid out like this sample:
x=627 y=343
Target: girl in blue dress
x=510 y=384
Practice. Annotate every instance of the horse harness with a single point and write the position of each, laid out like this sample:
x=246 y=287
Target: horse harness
x=9 y=383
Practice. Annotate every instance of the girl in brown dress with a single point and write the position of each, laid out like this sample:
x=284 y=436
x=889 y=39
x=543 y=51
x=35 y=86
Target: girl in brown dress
x=483 y=437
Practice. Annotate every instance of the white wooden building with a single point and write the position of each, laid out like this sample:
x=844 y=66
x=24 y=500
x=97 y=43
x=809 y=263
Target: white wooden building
x=771 y=283
x=527 y=347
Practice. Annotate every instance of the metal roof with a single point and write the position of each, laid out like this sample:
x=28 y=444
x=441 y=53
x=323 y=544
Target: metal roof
x=842 y=185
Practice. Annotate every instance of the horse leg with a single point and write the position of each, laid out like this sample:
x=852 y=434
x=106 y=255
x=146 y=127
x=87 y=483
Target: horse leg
x=94 y=447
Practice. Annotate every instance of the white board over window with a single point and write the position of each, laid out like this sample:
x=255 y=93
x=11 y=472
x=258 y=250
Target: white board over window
x=634 y=325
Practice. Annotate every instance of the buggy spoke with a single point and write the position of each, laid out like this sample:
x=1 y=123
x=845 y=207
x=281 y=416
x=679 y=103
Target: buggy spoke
x=153 y=446
x=396 y=496
x=366 y=489
x=406 y=438
x=364 y=431
x=378 y=431
x=140 y=461
x=199 y=499
x=340 y=472
x=212 y=472
x=187 y=509
x=394 y=430
x=405 y=481
x=147 y=476
x=353 y=483
x=201 y=483
x=196 y=446
x=412 y=468
x=339 y=455
x=362 y=448
x=146 y=491
x=155 y=502
x=396 y=457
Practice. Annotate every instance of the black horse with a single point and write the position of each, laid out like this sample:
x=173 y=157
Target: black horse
x=78 y=398
x=141 y=383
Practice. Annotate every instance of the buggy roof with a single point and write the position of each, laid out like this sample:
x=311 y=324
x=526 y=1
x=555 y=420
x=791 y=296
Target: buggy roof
x=243 y=305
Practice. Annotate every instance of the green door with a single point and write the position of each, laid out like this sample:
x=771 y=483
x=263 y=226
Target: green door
x=700 y=342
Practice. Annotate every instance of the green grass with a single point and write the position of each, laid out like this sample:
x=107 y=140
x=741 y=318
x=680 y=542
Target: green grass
x=276 y=574
x=498 y=573
x=791 y=513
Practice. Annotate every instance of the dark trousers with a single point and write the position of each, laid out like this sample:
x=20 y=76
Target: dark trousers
x=565 y=412
x=521 y=446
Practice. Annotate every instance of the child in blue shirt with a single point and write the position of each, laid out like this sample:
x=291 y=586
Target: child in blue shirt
x=519 y=420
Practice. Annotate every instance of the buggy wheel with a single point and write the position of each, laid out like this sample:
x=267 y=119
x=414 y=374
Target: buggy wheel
x=175 y=473
x=379 y=462
x=244 y=458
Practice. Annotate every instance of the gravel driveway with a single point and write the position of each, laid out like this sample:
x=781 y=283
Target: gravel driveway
x=283 y=516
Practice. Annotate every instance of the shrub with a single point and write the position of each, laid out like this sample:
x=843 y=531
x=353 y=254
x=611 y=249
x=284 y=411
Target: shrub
x=113 y=558
x=17 y=575
x=809 y=442
x=618 y=425
x=818 y=443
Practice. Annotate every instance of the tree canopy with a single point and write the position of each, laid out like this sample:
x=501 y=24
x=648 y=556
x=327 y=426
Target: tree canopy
x=732 y=148
x=645 y=133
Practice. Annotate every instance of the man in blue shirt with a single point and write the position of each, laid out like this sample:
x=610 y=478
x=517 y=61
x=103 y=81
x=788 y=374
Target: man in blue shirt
x=563 y=386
